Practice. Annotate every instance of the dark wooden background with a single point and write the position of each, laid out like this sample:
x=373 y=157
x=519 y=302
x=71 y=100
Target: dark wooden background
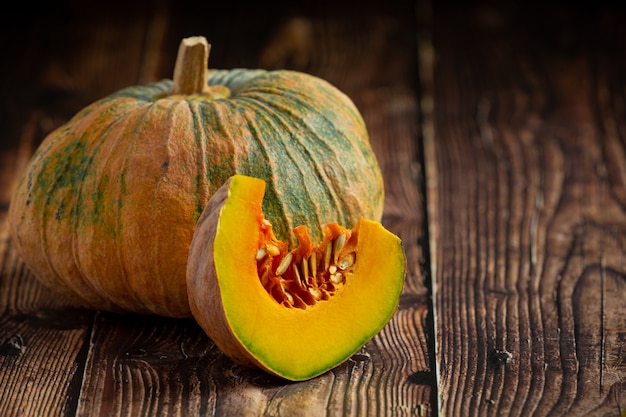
x=501 y=131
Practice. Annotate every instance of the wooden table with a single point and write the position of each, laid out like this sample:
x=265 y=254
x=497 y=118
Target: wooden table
x=501 y=132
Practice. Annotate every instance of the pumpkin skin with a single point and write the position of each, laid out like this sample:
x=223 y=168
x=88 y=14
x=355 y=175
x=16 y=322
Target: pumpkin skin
x=107 y=208
x=233 y=306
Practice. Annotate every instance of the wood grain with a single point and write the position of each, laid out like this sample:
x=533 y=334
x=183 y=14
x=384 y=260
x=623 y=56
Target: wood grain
x=528 y=149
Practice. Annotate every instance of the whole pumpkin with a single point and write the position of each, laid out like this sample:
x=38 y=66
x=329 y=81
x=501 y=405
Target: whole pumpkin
x=107 y=208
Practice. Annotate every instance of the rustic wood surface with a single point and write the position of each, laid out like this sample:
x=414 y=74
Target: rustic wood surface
x=501 y=132
x=527 y=165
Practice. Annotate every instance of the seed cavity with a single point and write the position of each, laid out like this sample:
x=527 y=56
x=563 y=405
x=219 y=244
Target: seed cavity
x=301 y=281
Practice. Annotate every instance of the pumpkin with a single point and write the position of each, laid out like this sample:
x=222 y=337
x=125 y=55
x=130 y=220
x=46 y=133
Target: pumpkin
x=107 y=208
x=293 y=313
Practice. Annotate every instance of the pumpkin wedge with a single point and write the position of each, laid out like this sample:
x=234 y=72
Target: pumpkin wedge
x=293 y=313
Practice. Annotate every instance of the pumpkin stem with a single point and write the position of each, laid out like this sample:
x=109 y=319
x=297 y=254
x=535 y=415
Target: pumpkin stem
x=191 y=68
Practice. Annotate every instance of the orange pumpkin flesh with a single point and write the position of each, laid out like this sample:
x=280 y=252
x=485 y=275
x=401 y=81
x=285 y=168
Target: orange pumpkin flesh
x=295 y=336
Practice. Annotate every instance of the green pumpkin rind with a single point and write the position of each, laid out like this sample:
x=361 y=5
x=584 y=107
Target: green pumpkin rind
x=299 y=160
x=107 y=208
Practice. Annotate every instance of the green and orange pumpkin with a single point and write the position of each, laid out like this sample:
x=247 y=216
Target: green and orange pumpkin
x=107 y=208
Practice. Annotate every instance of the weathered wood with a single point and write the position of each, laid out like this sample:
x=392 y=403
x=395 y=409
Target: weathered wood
x=528 y=147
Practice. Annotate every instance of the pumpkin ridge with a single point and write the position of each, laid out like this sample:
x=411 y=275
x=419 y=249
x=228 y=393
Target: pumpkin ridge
x=331 y=94
x=107 y=214
x=128 y=141
x=272 y=204
x=307 y=197
x=201 y=174
x=309 y=143
x=291 y=183
x=115 y=225
x=97 y=142
x=142 y=93
x=152 y=277
x=56 y=194
x=69 y=286
x=347 y=146
x=111 y=220
x=220 y=138
x=74 y=223
x=325 y=93
x=236 y=79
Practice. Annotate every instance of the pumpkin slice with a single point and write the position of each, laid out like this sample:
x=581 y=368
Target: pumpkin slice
x=293 y=313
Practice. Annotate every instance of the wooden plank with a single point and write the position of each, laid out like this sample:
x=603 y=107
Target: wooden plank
x=528 y=216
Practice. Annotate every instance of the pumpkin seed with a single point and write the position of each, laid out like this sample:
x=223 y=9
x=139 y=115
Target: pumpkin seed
x=305 y=270
x=273 y=250
x=346 y=261
x=297 y=275
x=260 y=254
x=316 y=293
x=313 y=261
x=338 y=245
x=337 y=278
x=328 y=251
x=289 y=296
x=265 y=278
x=284 y=264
